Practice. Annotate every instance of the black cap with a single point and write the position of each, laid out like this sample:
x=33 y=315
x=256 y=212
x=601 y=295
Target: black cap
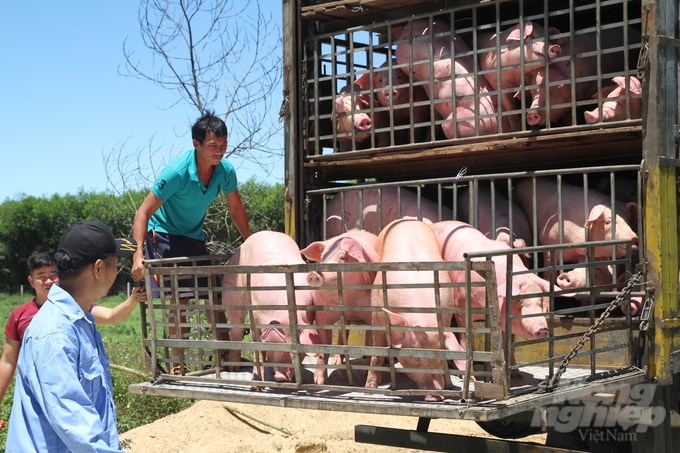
x=88 y=241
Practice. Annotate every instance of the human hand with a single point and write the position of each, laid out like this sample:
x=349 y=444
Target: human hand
x=139 y=293
x=137 y=267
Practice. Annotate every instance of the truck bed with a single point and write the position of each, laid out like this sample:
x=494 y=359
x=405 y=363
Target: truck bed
x=572 y=384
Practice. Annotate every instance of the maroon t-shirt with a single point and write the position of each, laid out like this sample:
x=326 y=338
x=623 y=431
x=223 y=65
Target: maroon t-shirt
x=19 y=320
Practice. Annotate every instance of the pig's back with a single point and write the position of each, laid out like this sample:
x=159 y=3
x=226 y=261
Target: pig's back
x=269 y=248
x=408 y=240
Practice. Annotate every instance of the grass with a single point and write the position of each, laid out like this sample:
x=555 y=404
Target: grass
x=123 y=344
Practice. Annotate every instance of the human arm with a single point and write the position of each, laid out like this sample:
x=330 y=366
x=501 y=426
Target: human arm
x=68 y=380
x=8 y=364
x=141 y=226
x=238 y=213
x=105 y=315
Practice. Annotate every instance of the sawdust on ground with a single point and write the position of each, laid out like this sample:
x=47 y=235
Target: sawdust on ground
x=207 y=427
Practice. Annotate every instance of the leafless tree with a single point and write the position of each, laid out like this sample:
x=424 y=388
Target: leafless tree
x=215 y=54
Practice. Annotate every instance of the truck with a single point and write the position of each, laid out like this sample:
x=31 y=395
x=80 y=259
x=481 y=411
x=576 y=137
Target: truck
x=575 y=101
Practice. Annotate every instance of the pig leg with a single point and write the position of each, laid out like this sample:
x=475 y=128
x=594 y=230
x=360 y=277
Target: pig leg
x=508 y=103
x=259 y=371
x=320 y=374
x=236 y=334
x=514 y=373
x=375 y=377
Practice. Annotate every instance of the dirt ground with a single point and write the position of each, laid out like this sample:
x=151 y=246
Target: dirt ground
x=208 y=427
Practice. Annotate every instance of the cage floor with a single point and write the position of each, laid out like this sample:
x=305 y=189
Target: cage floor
x=575 y=382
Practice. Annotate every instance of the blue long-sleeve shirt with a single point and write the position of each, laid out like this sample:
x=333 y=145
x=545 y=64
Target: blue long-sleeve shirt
x=63 y=398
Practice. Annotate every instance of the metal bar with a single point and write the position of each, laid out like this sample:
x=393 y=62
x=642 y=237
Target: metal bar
x=292 y=321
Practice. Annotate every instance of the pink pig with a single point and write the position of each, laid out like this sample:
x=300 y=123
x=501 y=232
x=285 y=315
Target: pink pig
x=576 y=279
x=458 y=238
x=429 y=210
x=352 y=117
x=521 y=227
x=411 y=241
x=599 y=218
x=355 y=246
x=268 y=248
x=443 y=89
x=583 y=67
x=401 y=97
x=615 y=110
x=534 y=59
x=559 y=94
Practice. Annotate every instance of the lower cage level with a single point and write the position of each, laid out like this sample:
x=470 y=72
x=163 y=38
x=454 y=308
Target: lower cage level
x=575 y=382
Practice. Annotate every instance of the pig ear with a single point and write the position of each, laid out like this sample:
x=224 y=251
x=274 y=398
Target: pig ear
x=528 y=29
x=355 y=253
x=620 y=81
x=635 y=85
x=397 y=320
x=595 y=214
x=451 y=342
x=314 y=251
x=340 y=105
x=514 y=34
x=363 y=81
x=632 y=212
x=518 y=95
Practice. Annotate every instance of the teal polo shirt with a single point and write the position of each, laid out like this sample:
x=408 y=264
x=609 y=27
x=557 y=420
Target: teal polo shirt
x=185 y=197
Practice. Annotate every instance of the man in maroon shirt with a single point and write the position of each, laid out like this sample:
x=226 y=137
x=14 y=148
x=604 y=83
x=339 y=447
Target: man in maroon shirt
x=42 y=274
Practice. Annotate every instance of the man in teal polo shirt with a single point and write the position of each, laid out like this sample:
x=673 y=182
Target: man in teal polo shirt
x=170 y=220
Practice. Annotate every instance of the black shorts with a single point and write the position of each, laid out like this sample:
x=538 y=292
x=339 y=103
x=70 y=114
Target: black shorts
x=163 y=245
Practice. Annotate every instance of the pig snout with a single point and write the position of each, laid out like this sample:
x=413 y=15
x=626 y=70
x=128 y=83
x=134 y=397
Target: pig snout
x=565 y=281
x=315 y=279
x=362 y=122
x=554 y=51
x=533 y=118
x=540 y=331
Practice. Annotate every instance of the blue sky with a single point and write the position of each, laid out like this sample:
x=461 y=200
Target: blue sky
x=63 y=102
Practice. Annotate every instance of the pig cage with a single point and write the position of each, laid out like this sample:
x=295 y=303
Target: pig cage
x=485 y=383
x=583 y=98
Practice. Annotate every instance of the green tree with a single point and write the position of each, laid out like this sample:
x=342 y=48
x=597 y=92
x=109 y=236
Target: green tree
x=266 y=212
x=29 y=222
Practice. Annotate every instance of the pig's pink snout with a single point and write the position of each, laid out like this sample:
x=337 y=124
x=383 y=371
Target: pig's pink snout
x=564 y=281
x=554 y=51
x=362 y=122
x=314 y=279
x=540 y=332
x=533 y=118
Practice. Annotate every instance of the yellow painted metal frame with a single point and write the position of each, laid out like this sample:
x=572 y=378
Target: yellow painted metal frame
x=660 y=165
x=661 y=233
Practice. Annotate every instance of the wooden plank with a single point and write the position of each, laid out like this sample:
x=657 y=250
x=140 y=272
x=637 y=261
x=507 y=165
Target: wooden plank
x=615 y=146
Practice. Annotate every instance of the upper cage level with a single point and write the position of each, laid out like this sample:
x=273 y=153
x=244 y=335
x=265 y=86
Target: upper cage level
x=388 y=86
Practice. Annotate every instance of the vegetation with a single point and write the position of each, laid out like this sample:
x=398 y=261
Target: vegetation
x=28 y=222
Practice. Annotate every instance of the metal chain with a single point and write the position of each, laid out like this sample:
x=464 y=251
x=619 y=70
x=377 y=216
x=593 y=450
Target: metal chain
x=549 y=384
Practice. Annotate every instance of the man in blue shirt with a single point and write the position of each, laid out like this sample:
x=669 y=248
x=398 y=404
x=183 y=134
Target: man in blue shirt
x=170 y=220
x=63 y=397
